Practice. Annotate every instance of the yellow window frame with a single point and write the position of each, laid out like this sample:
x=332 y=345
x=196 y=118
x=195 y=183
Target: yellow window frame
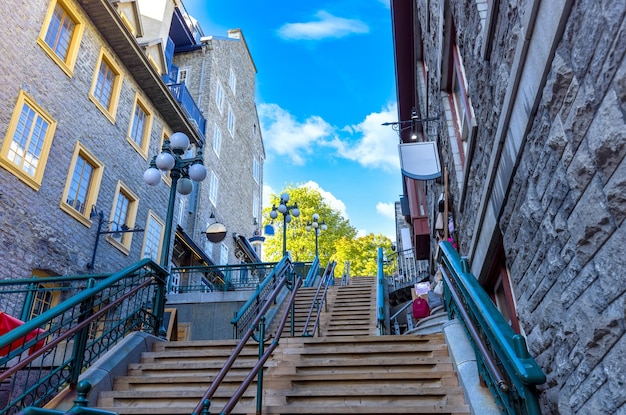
x=141 y=148
x=124 y=243
x=67 y=64
x=94 y=185
x=34 y=181
x=110 y=111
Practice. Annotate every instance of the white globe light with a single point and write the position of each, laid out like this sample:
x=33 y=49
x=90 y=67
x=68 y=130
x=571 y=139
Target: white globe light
x=179 y=141
x=316 y=217
x=282 y=208
x=184 y=186
x=324 y=227
x=295 y=212
x=287 y=218
x=273 y=214
x=315 y=225
x=284 y=197
x=152 y=176
x=165 y=161
x=197 y=172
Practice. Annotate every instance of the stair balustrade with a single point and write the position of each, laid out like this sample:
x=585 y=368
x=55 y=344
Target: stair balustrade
x=502 y=356
x=319 y=299
x=47 y=353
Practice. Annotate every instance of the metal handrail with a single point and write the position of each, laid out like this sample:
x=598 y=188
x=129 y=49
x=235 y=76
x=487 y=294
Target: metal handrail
x=505 y=363
x=319 y=300
x=256 y=370
x=250 y=309
x=312 y=274
x=69 y=337
x=380 y=293
x=284 y=276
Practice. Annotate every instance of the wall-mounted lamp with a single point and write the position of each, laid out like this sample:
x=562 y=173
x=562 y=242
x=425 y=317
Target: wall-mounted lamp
x=115 y=231
x=404 y=125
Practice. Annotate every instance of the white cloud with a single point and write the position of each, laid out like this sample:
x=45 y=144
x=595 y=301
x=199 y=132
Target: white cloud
x=368 y=143
x=326 y=26
x=377 y=145
x=329 y=198
x=285 y=136
x=388 y=210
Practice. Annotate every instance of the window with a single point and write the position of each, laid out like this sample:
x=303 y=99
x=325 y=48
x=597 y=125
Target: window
x=223 y=254
x=255 y=207
x=27 y=142
x=153 y=237
x=140 y=125
x=219 y=97
x=256 y=169
x=61 y=34
x=82 y=185
x=183 y=75
x=106 y=85
x=174 y=282
x=217 y=139
x=213 y=189
x=231 y=121
x=124 y=213
x=232 y=80
x=47 y=295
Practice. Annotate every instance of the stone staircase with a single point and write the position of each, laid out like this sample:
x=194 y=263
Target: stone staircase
x=348 y=369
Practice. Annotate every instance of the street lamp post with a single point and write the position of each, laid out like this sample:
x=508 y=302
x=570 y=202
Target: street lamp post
x=287 y=211
x=316 y=226
x=182 y=171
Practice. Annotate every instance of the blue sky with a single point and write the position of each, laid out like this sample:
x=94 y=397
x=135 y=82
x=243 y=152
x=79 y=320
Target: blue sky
x=325 y=83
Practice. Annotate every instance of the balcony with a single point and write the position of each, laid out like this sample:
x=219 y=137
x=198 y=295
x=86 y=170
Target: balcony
x=183 y=97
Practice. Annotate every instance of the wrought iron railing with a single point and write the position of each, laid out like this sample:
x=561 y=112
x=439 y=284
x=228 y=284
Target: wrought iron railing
x=502 y=356
x=245 y=276
x=284 y=277
x=313 y=273
x=319 y=300
x=47 y=353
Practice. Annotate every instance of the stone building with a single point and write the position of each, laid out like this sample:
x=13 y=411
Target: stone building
x=528 y=101
x=88 y=101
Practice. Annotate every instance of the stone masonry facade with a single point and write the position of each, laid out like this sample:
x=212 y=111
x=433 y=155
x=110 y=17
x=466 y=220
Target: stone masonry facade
x=561 y=222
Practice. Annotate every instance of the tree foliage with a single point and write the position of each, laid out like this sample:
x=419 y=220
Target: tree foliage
x=338 y=242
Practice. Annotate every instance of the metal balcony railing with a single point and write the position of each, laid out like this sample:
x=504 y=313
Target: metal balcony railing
x=184 y=98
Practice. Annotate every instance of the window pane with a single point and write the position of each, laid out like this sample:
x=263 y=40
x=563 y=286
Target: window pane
x=60 y=31
x=139 y=125
x=153 y=239
x=121 y=213
x=103 y=90
x=28 y=140
x=79 y=186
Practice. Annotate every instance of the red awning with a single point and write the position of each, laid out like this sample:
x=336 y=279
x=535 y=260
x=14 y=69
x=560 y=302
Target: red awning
x=8 y=323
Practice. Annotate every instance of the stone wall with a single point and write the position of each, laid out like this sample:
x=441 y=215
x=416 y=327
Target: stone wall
x=562 y=222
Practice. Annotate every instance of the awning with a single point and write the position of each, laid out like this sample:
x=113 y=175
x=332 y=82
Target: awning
x=186 y=241
x=248 y=250
x=420 y=161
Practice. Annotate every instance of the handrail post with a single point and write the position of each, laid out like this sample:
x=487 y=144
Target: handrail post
x=159 y=308
x=28 y=302
x=80 y=340
x=259 y=381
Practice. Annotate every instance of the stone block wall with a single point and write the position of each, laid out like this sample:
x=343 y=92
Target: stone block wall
x=562 y=222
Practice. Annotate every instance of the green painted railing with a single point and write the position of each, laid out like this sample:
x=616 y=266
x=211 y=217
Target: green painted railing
x=502 y=356
x=380 y=294
x=242 y=320
x=46 y=354
x=220 y=277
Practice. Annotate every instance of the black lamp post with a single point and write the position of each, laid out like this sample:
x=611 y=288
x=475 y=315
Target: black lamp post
x=287 y=211
x=316 y=226
x=182 y=171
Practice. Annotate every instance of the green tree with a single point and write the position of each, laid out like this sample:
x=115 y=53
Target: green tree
x=362 y=253
x=300 y=242
x=338 y=242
